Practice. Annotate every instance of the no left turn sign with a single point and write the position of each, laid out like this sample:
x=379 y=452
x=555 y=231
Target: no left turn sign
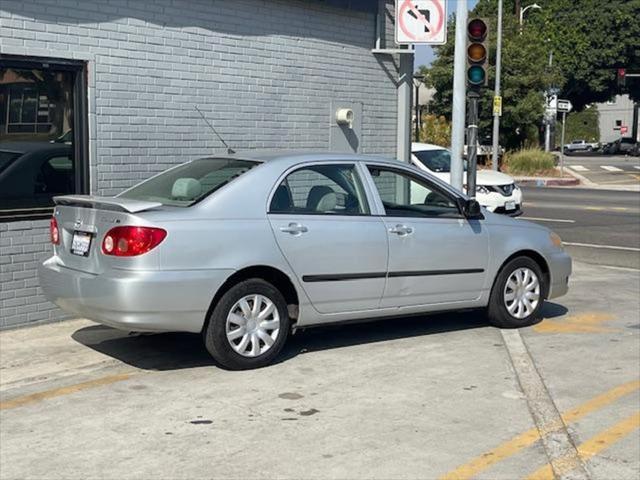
x=421 y=21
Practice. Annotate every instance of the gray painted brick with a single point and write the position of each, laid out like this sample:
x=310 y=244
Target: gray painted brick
x=266 y=84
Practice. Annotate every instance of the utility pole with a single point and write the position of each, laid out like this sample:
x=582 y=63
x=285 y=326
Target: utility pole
x=459 y=90
x=417 y=81
x=496 y=114
x=404 y=107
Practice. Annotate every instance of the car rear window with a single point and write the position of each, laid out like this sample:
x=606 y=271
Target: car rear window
x=189 y=183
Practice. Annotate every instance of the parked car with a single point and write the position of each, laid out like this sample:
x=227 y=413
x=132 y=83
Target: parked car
x=621 y=146
x=495 y=191
x=245 y=248
x=31 y=172
x=580 y=146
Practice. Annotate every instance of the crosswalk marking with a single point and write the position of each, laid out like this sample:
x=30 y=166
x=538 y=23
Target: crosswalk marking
x=609 y=168
x=578 y=168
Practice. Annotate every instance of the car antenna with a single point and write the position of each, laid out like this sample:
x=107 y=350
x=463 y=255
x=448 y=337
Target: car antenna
x=229 y=149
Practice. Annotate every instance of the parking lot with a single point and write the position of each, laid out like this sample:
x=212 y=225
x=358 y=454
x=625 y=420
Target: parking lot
x=441 y=396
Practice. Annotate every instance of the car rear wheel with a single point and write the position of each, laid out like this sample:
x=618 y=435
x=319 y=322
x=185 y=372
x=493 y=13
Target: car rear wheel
x=517 y=295
x=248 y=327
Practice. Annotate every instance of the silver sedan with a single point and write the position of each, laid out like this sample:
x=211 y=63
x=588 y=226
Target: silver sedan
x=245 y=248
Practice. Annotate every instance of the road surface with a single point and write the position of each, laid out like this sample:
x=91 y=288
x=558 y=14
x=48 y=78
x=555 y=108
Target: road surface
x=597 y=226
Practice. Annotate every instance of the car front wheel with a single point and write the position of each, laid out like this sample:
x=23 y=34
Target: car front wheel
x=517 y=295
x=248 y=327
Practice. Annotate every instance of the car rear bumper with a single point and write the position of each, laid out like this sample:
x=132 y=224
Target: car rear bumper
x=560 y=271
x=134 y=300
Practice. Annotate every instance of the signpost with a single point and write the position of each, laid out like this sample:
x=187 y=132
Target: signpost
x=421 y=22
x=565 y=107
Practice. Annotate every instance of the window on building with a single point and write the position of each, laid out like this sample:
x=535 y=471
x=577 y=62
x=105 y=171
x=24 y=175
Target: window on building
x=618 y=123
x=43 y=124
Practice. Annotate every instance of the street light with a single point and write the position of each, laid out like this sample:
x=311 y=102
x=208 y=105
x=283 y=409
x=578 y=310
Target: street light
x=417 y=84
x=524 y=9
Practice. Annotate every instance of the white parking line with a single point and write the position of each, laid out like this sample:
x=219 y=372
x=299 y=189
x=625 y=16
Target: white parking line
x=609 y=168
x=578 y=168
x=637 y=167
x=558 y=220
x=607 y=247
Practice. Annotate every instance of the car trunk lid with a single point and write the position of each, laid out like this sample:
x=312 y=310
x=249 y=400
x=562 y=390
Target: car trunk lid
x=84 y=220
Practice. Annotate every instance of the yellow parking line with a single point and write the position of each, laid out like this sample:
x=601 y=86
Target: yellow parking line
x=529 y=437
x=58 y=392
x=590 y=448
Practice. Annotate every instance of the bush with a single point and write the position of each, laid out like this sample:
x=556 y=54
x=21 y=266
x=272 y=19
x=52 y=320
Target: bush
x=530 y=161
x=435 y=130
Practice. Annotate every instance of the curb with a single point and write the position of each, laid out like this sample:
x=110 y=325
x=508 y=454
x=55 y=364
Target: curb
x=547 y=181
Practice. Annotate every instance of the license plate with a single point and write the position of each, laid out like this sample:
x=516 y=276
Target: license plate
x=81 y=243
x=510 y=206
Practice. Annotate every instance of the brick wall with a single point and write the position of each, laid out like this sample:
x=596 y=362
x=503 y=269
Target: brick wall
x=264 y=72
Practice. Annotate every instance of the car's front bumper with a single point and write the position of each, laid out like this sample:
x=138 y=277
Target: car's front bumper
x=134 y=300
x=496 y=202
x=559 y=271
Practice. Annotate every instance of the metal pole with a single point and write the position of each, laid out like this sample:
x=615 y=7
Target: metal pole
x=472 y=140
x=417 y=113
x=564 y=123
x=496 y=117
x=459 y=89
x=404 y=107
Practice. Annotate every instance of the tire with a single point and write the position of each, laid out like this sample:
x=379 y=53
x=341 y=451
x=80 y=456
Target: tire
x=228 y=316
x=501 y=310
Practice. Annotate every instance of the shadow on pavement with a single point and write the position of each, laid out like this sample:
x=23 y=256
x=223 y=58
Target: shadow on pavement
x=174 y=351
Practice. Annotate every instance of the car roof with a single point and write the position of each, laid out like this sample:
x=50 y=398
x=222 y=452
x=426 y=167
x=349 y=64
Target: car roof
x=422 y=147
x=292 y=156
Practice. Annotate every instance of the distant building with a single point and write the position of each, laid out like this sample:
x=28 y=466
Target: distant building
x=616 y=119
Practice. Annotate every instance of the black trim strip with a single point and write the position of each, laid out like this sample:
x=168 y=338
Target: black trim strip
x=428 y=273
x=338 y=277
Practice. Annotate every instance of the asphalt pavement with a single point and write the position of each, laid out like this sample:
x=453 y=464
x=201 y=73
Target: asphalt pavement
x=605 y=170
x=597 y=226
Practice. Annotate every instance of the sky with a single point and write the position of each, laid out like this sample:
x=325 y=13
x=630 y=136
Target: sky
x=424 y=53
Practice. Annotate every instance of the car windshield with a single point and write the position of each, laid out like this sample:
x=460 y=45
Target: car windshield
x=436 y=160
x=189 y=183
x=6 y=158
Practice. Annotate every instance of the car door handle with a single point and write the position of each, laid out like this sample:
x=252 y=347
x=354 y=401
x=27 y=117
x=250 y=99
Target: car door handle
x=294 y=229
x=401 y=230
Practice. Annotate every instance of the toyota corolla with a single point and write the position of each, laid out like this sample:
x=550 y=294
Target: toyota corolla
x=244 y=249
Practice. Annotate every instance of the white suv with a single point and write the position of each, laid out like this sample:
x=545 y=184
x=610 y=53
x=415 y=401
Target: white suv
x=495 y=191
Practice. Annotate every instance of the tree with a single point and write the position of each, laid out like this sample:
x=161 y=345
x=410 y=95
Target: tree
x=588 y=40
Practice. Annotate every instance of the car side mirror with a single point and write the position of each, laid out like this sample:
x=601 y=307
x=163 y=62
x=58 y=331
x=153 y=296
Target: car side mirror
x=471 y=209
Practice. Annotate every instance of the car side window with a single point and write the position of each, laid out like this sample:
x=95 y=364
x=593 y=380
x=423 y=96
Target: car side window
x=55 y=176
x=321 y=190
x=404 y=195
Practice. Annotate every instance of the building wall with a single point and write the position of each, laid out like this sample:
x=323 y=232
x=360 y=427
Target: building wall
x=265 y=73
x=619 y=109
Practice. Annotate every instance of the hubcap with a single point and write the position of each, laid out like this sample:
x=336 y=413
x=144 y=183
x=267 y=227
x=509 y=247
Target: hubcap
x=522 y=293
x=253 y=325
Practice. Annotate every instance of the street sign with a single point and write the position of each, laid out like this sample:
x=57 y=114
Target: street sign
x=623 y=129
x=497 y=105
x=564 y=106
x=421 y=21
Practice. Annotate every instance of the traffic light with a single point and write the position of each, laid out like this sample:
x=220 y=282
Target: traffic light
x=622 y=74
x=477 y=53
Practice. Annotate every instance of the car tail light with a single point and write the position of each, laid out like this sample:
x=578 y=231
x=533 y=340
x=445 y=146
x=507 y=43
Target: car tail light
x=54 y=232
x=131 y=241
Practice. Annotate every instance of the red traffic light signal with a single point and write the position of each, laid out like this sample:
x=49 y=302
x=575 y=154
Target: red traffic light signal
x=477 y=29
x=622 y=73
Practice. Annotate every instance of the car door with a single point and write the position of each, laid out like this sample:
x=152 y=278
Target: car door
x=436 y=255
x=320 y=216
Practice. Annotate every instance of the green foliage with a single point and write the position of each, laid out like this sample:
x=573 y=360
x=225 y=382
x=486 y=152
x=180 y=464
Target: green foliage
x=580 y=126
x=588 y=41
x=435 y=130
x=530 y=161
